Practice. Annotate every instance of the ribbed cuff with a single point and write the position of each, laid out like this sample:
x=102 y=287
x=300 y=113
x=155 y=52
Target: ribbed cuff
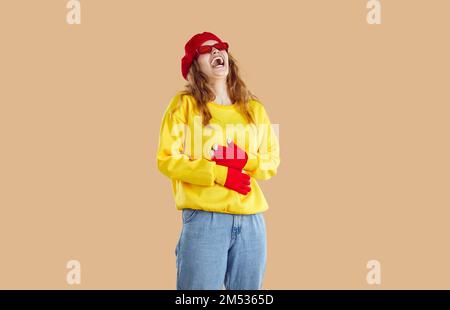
x=220 y=174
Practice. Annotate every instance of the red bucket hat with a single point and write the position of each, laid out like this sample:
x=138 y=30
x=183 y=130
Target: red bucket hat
x=190 y=49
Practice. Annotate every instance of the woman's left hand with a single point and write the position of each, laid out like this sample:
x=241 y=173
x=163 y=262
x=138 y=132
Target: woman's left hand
x=231 y=156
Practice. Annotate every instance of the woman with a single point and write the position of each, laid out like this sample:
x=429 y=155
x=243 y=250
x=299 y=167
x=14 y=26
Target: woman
x=215 y=141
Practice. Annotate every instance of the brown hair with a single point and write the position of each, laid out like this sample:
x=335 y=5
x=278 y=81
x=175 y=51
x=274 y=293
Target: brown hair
x=197 y=87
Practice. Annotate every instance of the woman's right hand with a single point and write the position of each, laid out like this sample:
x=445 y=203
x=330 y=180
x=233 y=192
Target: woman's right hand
x=231 y=156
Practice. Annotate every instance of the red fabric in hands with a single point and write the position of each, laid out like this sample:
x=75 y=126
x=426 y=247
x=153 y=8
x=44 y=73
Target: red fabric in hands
x=238 y=181
x=232 y=156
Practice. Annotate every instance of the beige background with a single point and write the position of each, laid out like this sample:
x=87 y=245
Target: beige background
x=364 y=133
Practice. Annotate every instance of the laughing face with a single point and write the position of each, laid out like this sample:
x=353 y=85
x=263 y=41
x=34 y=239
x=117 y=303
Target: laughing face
x=215 y=63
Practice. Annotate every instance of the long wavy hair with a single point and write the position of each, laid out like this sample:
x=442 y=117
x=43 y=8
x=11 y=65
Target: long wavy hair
x=198 y=87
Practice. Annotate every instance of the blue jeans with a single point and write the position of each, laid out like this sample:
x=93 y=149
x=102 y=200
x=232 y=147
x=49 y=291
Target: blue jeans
x=219 y=250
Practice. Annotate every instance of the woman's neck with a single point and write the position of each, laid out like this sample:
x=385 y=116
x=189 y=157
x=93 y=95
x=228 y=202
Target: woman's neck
x=220 y=90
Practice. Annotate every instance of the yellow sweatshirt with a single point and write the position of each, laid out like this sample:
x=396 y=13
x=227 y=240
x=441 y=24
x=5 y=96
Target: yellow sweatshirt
x=184 y=155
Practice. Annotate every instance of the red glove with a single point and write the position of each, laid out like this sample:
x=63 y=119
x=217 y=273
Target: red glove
x=237 y=181
x=232 y=156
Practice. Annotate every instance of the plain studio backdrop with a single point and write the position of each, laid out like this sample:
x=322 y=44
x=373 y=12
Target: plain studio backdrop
x=363 y=112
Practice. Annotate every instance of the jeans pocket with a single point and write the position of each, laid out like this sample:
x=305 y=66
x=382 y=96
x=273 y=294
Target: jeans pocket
x=188 y=215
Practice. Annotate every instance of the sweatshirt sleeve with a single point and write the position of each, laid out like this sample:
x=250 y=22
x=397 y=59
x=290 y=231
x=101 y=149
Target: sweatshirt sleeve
x=264 y=163
x=171 y=159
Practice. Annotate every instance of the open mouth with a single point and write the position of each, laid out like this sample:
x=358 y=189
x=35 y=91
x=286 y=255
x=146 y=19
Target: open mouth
x=217 y=62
